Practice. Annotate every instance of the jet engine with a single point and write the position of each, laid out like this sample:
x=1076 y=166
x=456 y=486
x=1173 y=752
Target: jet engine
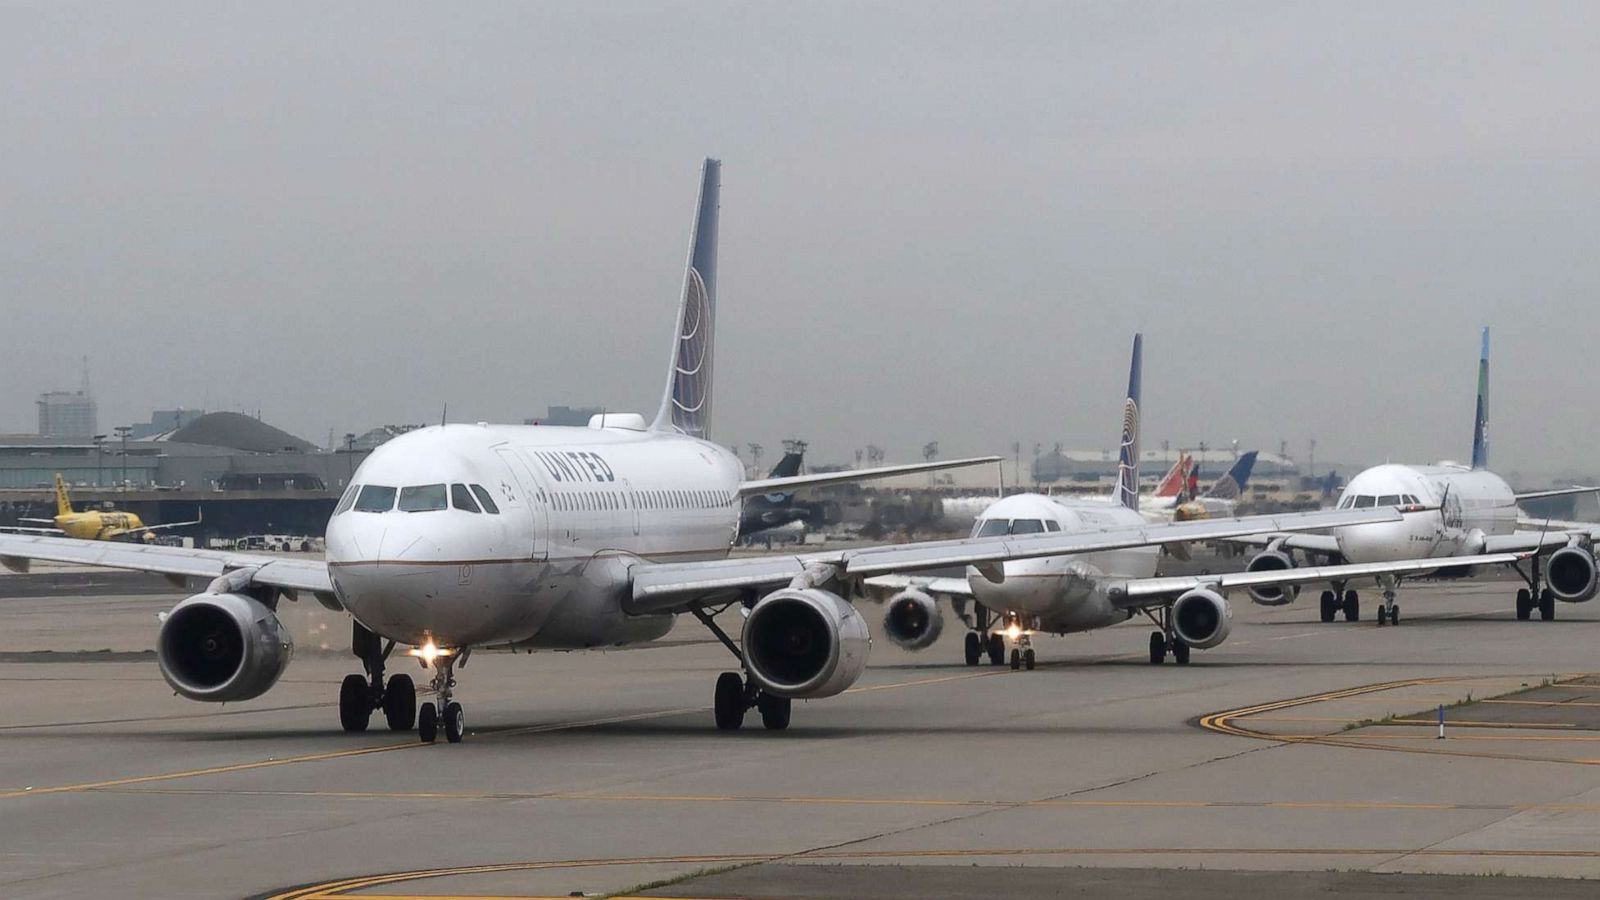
x=1571 y=574
x=805 y=643
x=912 y=620
x=222 y=647
x=1272 y=560
x=1202 y=618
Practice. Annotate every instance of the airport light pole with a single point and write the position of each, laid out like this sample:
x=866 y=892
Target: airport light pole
x=122 y=432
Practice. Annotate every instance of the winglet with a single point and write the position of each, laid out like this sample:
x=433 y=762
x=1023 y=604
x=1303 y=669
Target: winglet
x=1480 y=424
x=686 y=401
x=1128 y=453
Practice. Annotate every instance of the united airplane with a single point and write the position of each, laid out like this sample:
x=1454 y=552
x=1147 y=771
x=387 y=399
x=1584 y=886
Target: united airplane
x=1455 y=511
x=1084 y=591
x=463 y=537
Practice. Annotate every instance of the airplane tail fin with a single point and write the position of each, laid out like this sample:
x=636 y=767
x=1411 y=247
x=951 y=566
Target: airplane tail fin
x=788 y=467
x=1172 y=484
x=1128 y=453
x=1231 y=485
x=1480 y=423
x=686 y=401
x=63 y=502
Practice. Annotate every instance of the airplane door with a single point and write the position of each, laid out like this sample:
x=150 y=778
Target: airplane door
x=633 y=504
x=531 y=498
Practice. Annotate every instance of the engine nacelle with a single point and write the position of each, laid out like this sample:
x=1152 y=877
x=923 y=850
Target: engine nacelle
x=1272 y=561
x=1572 y=575
x=912 y=620
x=1202 y=618
x=222 y=647
x=805 y=643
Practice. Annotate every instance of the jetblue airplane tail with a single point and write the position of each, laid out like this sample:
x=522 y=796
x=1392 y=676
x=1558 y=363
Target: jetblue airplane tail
x=1231 y=485
x=1128 y=454
x=686 y=402
x=1480 y=424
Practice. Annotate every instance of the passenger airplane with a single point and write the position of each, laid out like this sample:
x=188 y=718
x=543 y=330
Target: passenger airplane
x=1221 y=499
x=1085 y=591
x=1463 y=511
x=460 y=537
x=94 y=524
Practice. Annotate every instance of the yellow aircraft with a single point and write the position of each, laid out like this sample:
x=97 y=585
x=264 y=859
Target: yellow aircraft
x=96 y=525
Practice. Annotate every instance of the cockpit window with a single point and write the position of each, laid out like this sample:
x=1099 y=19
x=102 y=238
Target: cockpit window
x=1365 y=501
x=1348 y=502
x=1410 y=499
x=461 y=498
x=485 y=499
x=1052 y=525
x=375 y=498
x=1027 y=526
x=991 y=528
x=1389 y=500
x=348 y=499
x=423 y=498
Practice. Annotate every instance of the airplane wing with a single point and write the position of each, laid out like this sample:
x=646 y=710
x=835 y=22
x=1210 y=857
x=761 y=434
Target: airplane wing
x=168 y=525
x=940 y=587
x=1557 y=492
x=1145 y=592
x=1537 y=539
x=773 y=485
x=21 y=529
x=16 y=550
x=1312 y=543
x=659 y=587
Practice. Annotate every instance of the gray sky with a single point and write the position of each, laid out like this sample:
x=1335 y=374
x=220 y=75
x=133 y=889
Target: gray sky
x=939 y=220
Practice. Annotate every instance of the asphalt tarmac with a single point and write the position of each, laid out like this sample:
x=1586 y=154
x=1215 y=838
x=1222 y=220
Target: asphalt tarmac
x=1297 y=758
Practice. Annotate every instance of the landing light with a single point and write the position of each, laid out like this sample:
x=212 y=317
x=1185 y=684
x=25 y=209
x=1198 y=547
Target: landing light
x=429 y=652
x=1013 y=632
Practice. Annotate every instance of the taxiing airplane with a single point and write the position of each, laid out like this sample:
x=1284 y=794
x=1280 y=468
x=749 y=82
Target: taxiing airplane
x=463 y=537
x=94 y=524
x=1453 y=513
x=1220 y=499
x=1084 y=591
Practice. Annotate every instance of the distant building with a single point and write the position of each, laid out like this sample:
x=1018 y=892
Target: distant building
x=379 y=436
x=163 y=421
x=566 y=415
x=67 y=414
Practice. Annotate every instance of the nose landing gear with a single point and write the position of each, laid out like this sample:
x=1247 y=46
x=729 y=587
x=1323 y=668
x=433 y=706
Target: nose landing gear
x=360 y=696
x=447 y=713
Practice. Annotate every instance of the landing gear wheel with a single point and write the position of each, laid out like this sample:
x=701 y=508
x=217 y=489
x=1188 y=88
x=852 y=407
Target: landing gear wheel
x=427 y=723
x=455 y=723
x=1394 y=615
x=1383 y=616
x=1352 y=606
x=1330 y=606
x=1016 y=659
x=974 y=648
x=1180 y=651
x=400 y=703
x=728 y=703
x=1524 y=604
x=1028 y=659
x=355 y=704
x=1547 y=605
x=997 y=650
x=774 y=711
x=1158 y=648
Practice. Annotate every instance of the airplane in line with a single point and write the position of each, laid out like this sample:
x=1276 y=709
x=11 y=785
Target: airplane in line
x=460 y=537
x=1457 y=512
x=1220 y=499
x=94 y=524
x=1084 y=591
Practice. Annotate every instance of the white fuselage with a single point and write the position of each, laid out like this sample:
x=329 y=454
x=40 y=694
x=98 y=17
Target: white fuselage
x=576 y=507
x=1463 y=507
x=1061 y=593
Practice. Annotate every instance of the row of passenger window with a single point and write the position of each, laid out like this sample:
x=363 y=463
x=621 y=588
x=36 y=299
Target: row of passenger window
x=1368 y=501
x=378 y=498
x=652 y=499
x=1001 y=527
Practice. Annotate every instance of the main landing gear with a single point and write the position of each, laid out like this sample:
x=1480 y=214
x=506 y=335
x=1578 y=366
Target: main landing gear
x=981 y=642
x=736 y=695
x=1532 y=597
x=1166 y=640
x=1339 y=601
x=447 y=714
x=360 y=696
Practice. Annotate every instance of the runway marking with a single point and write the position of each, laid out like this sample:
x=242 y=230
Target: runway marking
x=346 y=887
x=1543 y=702
x=413 y=743
x=1225 y=723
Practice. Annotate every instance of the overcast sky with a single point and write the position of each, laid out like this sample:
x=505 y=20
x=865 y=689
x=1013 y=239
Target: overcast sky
x=939 y=221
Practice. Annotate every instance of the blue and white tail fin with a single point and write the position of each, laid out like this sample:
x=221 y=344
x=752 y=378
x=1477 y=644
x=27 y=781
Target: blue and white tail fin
x=1231 y=485
x=1128 y=454
x=1480 y=423
x=686 y=402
